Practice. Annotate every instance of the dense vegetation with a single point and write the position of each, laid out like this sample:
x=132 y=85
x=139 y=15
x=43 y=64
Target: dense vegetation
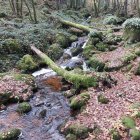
x=93 y=46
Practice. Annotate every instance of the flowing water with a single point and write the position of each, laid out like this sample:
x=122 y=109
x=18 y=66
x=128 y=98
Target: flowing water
x=50 y=108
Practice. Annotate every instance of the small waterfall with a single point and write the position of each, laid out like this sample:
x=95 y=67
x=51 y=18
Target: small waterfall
x=85 y=43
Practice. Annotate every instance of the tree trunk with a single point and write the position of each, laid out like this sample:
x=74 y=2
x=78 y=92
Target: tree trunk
x=77 y=79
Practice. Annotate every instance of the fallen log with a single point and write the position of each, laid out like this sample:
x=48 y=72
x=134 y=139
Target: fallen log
x=76 y=79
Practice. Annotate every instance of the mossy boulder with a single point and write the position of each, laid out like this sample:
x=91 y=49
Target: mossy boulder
x=80 y=131
x=26 y=63
x=128 y=122
x=95 y=64
x=96 y=34
x=129 y=57
x=102 y=47
x=24 y=107
x=135 y=134
x=132 y=30
x=63 y=40
x=102 y=99
x=114 y=20
x=73 y=38
x=79 y=101
x=12 y=134
x=55 y=51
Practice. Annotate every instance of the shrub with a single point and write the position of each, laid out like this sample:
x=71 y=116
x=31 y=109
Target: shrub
x=112 y=20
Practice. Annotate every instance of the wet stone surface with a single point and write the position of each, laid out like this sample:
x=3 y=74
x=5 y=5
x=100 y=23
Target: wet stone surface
x=50 y=109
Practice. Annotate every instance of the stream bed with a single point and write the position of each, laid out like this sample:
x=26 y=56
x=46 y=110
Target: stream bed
x=50 y=109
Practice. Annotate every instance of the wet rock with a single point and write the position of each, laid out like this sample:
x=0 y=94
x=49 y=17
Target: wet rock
x=24 y=108
x=74 y=63
x=12 y=134
x=77 y=50
x=42 y=113
x=79 y=101
x=66 y=56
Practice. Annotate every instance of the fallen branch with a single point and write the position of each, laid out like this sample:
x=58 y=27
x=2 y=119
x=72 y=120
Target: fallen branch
x=76 y=79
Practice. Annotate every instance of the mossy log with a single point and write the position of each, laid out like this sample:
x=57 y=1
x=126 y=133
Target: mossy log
x=79 y=26
x=76 y=79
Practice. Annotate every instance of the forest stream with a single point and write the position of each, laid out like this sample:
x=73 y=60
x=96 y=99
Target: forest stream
x=50 y=109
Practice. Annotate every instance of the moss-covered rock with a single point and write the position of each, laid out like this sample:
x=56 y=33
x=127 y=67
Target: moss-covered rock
x=26 y=63
x=112 y=20
x=96 y=64
x=128 y=122
x=79 y=101
x=12 y=134
x=80 y=131
x=55 y=51
x=102 y=99
x=63 y=40
x=76 y=50
x=73 y=38
x=71 y=137
x=115 y=135
x=128 y=58
x=24 y=107
x=135 y=134
x=96 y=34
x=102 y=47
x=132 y=30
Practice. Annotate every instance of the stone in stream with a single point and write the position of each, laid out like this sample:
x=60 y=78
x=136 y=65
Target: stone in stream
x=77 y=50
x=24 y=107
x=11 y=134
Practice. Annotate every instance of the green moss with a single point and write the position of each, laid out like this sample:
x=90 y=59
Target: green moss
x=115 y=135
x=79 y=101
x=128 y=122
x=135 y=134
x=71 y=137
x=102 y=99
x=96 y=64
x=63 y=40
x=80 y=131
x=24 y=107
x=26 y=63
x=96 y=34
x=102 y=47
x=10 y=46
x=88 y=51
x=128 y=58
x=73 y=38
x=12 y=134
x=55 y=51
